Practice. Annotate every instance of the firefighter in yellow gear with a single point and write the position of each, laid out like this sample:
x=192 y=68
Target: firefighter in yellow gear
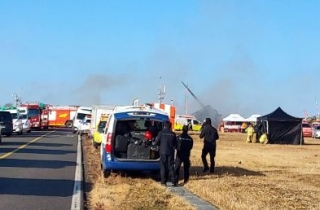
x=250 y=132
x=263 y=139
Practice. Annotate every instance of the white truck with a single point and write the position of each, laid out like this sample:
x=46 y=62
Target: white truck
x=97 y=111
x=25 y=119
x=16 y=121
x=81 y=113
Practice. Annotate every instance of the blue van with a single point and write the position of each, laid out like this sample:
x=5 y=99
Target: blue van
x=128 y=140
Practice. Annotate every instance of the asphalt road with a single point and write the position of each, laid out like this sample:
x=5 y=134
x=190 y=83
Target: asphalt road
x=37 y=170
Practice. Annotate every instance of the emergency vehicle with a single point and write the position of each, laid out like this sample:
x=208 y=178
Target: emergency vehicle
x=23 y=111
x=189 y=120
x=79 y=116
x=84 y=126
x=97 y=112
x=100 y=128
x=62 y=116
x=38 y=114
x=169 y=109
x=128 y=141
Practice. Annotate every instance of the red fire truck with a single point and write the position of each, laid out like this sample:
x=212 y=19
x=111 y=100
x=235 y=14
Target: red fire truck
x=38 y=114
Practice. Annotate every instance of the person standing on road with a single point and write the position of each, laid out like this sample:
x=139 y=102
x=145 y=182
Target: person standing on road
x=184 y=146
x=167 y=141
x=210 y=135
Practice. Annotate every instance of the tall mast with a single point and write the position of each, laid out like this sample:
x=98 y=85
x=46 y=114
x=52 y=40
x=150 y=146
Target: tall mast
x=162 y=91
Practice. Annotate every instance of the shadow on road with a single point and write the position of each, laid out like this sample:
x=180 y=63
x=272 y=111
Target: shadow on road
x=38 y=151
x=37 y=187
x=40 y=144
x=53 y=164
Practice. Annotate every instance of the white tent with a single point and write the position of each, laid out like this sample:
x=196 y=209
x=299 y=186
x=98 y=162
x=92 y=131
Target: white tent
x=253 y=118
x=234 y=118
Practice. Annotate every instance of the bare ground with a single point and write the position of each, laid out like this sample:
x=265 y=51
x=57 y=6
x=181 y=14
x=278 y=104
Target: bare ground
x=247 y=176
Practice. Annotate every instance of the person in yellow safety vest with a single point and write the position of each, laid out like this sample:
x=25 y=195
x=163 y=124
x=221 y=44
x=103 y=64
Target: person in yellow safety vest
x=263 y=139
x=243 y=127
x=250 y=132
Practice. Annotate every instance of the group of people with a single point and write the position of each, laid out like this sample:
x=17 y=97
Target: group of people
x=256 y=133
x=169 y=142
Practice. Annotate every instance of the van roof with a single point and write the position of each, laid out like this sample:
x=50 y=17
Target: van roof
x=141 y=108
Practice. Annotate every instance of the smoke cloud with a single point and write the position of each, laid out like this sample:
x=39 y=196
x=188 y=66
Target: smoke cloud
x=91 y=90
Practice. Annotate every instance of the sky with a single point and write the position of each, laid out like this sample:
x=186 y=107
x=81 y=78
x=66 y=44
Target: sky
x=246 y=57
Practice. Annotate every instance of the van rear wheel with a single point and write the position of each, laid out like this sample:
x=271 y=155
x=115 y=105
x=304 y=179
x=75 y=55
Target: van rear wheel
x=106 y=173
x=155 y=175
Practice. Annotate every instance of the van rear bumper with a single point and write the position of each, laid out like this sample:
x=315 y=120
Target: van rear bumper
x=131 y=165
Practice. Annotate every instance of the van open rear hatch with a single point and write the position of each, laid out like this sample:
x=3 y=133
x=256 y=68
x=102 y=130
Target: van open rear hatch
x=134 y=139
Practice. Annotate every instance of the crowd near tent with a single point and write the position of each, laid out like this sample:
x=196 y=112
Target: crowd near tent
x=282 y=128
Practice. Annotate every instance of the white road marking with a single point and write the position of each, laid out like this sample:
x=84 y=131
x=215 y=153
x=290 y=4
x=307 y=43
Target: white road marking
x=77 y=197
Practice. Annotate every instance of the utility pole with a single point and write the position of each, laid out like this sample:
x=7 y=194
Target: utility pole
x=162 y=91
x=317 y=107
x=16 y=99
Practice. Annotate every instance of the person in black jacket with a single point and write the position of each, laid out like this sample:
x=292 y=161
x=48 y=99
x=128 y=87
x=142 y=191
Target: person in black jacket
x=184 y=146
x=210 y=135
x=167 y=141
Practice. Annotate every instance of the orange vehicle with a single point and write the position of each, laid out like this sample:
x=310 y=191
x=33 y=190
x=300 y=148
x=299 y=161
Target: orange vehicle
x=62 y=116
x=169 y=109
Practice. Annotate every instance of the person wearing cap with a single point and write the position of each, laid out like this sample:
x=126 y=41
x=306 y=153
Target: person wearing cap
x=184 y=146
x=167 y=141
x=209 y=135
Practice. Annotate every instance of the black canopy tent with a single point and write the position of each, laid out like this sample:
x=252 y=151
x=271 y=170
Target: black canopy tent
x=282 y=128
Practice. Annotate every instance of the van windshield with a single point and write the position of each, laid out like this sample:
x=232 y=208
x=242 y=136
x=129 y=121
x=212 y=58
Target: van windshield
x=14 y=116
x=34 y=112
x=196 y=122
x=305 y=125
x=5 y=117
x=101 y=126
x=81 y=116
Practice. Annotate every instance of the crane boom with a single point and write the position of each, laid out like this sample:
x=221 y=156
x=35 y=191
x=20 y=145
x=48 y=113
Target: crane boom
x=193 y=95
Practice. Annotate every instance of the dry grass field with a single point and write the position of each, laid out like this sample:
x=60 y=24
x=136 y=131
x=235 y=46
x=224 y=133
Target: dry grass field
x=247 y=176
x=124 y=192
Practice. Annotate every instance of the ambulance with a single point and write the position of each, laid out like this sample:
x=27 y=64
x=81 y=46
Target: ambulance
x=98 y=111
x=191 y=121
x=100 y=128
